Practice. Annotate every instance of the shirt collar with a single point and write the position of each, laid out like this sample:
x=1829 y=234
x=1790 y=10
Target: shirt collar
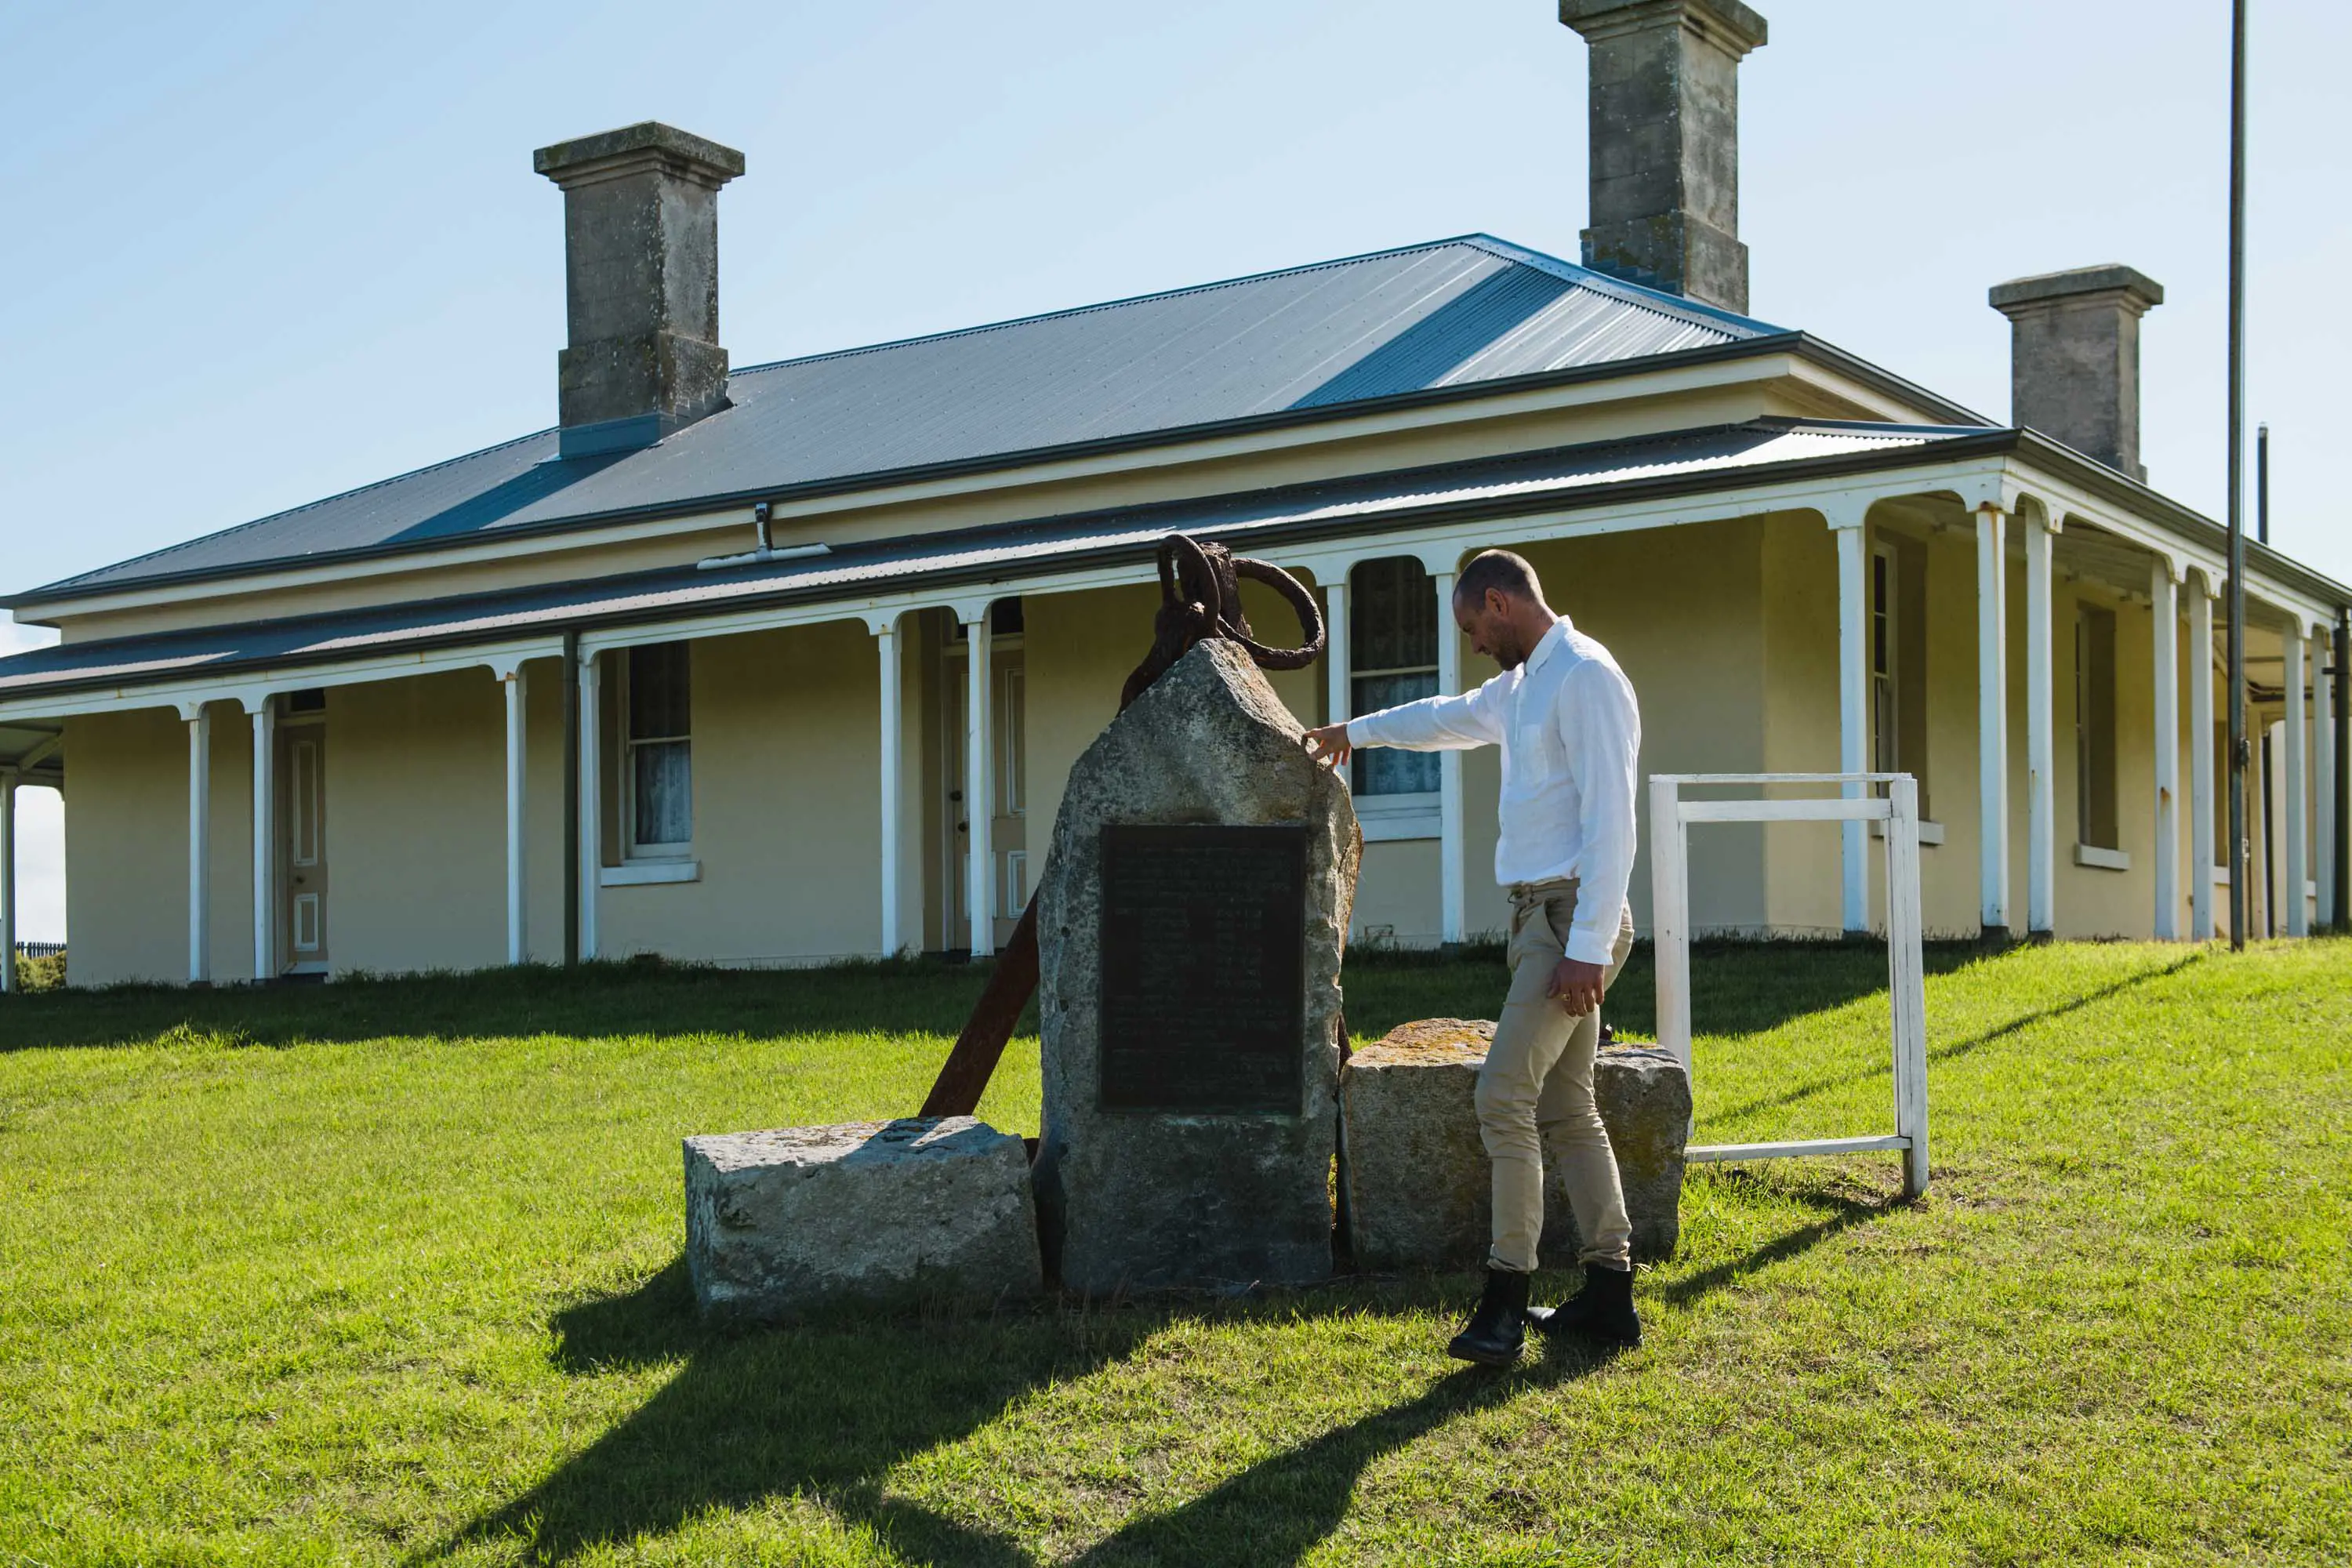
x=1547 y=645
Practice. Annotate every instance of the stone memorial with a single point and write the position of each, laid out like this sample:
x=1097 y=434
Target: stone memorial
x=923 y=1210
x=1190 y=924
x=1418 y=1183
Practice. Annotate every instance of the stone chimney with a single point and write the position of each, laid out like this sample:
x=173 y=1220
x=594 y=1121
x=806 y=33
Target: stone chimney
x=1664 y=106
x=2073 y=357
x=641 y=283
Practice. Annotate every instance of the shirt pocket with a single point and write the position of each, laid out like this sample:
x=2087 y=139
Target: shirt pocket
x=1536 y=756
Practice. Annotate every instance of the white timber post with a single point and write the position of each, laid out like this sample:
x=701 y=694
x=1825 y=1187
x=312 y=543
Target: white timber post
x=1670 y=916
x=2201 y=759
x=2041 y=785
x=517 y=936
x=1907 y=981
x=200 y=846
x=978 y=740
x=592 y=800
x=265 y=835
x=885 y=643
x=1853 y=712
x=2164 y=611
x=1338 y=697
x=7 y=878
x=1449 y=767
x=2298 y=844
x=1992 y=718
x=2323 y=717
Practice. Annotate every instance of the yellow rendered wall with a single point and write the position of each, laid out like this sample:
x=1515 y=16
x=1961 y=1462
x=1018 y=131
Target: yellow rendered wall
x=417 y=822
x=787 y=825
x=127 y=846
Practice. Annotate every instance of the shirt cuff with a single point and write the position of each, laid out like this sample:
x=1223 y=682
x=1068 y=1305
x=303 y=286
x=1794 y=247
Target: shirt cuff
x=1355 y=735
x=1592 y=946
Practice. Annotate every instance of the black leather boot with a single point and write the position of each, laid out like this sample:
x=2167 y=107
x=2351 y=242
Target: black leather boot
x=1601 y=1312
x=1497 y=1329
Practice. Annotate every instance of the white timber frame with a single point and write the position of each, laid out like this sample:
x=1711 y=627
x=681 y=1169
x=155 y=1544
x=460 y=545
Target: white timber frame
x=979 y=754
x=1847 y=525
x=1670 y=820
x=2324 y=676
x=892 y=673
x=2201 y=756
x=1993 y=488
x=2164 y=625
x=2041 y=743
x=8 y=777
x=2297 y=715
x=512 y=681
x=200 y=841
x=262 y=708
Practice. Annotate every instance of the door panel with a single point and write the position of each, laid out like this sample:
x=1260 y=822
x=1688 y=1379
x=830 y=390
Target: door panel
x=1009 y=782
x=302 y=845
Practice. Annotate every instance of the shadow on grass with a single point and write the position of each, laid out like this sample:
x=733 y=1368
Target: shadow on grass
x=827 y=1411
x=1738 y=987
x=1840 y=1213
x=595 y=1001
x=1958 y=1048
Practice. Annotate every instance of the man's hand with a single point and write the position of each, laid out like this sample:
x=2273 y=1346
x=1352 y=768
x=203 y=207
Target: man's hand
x=1578 y=986
x=1328 y=745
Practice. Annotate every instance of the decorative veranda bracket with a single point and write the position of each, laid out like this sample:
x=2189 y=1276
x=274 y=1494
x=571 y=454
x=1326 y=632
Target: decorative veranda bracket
x=1200 y=598
x=1899 y=808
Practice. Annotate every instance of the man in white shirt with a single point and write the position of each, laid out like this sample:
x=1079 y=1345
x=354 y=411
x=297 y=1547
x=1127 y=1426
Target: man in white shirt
x=1571 y=731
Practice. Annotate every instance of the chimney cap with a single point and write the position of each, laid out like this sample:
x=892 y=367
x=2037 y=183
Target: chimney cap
x=2135 y=288
x=648 y=143
x=1726 y=23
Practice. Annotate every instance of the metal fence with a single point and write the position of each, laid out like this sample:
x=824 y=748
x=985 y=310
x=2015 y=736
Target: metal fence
x=1670 y=820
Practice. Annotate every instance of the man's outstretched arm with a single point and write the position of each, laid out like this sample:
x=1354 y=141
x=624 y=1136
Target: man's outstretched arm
x=1431 y=724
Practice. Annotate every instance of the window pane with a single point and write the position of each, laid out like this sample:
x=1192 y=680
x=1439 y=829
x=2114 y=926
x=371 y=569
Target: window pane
x=1392 y=620
x=659 y=688
x=1381 y=769
x=663 y=790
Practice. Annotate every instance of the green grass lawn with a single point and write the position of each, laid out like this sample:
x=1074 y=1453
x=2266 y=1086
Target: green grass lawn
x=388 y=1272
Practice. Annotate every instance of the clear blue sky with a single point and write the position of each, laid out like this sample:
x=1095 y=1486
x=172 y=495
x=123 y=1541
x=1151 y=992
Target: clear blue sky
x=257 y=254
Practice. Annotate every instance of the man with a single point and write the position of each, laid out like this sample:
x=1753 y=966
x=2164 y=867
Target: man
x=1565 y=717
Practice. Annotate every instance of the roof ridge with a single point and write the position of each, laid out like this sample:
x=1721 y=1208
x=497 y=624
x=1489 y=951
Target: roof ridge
x=1493 y=246
x=1639 y=295
x=236 y=528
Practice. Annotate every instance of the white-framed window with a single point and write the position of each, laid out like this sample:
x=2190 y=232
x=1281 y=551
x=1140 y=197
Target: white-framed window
x=2095 y=824
x=1897 y=652
x=657 y=771
x=1393 y=650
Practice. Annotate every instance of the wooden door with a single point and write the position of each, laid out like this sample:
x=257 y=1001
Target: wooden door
x=302 y=845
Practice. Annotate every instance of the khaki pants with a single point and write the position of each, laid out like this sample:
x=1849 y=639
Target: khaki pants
x=1536 y=1086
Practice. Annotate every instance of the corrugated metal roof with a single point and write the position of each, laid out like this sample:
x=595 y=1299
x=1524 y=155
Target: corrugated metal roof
x=1355 y=507
x=1449 y=313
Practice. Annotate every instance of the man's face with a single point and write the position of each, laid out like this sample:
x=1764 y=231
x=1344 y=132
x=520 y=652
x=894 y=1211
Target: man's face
x=1492 y=628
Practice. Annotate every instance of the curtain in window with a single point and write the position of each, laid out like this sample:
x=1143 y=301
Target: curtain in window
x=664 y=793
x=1392 y=633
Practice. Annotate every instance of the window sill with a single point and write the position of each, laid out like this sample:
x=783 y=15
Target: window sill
x=2099 y=859
x=1930 y=833
x=1389 y=817
x=644 y=873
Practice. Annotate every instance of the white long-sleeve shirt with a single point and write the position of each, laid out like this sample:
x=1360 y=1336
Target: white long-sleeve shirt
x=1571 y=735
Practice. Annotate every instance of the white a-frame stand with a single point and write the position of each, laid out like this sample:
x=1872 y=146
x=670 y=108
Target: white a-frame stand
x=1670 y=820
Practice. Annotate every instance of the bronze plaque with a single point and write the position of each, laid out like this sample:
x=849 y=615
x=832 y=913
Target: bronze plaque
x=1204 y=968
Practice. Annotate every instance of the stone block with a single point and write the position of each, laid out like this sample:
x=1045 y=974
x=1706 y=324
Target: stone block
x=1419 y=1188
x=799 y=1220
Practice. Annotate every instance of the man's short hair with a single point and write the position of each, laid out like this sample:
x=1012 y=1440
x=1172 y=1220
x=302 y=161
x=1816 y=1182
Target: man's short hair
x=1497 y=569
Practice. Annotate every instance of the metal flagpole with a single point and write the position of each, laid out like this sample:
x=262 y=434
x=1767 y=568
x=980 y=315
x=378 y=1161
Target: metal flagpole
x=2238 y=868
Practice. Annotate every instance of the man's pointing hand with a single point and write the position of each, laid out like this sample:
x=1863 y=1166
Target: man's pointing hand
x=1328 y=745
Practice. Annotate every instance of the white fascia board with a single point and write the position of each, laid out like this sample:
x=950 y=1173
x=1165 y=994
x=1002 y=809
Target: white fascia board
x=251 y=688
x=1662 y=382
x=2181 y=554
x=1441 y=547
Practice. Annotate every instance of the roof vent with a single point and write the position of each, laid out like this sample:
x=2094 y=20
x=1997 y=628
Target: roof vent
x=641 y=283
x=2073 y=357
x=1665 y=110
